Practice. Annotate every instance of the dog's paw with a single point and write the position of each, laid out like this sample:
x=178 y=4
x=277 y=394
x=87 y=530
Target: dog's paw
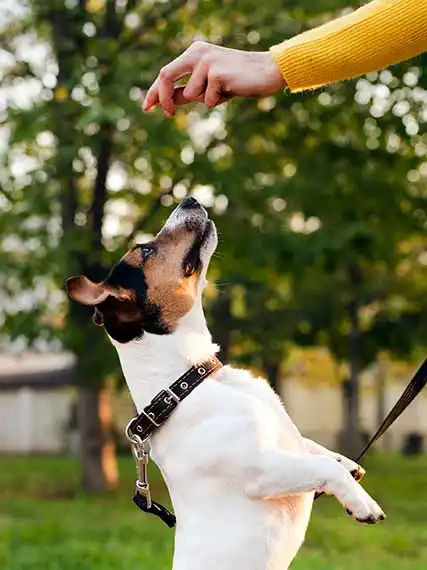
x=355 y=470
x=363 y=508
x=358 y=473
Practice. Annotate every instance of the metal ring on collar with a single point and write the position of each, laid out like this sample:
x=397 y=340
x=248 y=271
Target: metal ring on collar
x=132 y=437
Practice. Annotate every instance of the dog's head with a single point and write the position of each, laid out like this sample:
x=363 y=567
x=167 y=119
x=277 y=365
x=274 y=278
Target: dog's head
x=156 y=283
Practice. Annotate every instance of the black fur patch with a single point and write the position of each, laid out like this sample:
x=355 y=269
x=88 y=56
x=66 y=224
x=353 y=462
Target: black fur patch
x=128 y=277
x=126 y=320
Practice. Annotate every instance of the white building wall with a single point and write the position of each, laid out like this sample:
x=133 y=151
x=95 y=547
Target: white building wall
x=34 y=421
x=10 y=418
x=318 y=412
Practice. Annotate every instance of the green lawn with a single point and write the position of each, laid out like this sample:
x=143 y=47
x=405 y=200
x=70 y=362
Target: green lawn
x=46 y=525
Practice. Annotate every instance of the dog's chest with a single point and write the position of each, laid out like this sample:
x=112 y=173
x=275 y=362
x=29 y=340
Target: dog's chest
x=214 y=433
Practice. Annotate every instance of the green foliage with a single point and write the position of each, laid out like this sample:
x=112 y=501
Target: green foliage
x=77 y=154
x=320 y=198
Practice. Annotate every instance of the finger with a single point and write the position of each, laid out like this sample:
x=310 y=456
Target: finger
x=152 y=97
x=179 y=98
x=213 y=93
x=197 y=83
x=163 y=87
x=161 y=90
x=166 y=88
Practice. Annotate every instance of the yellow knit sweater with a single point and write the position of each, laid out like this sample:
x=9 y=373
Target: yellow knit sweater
x=376 y=35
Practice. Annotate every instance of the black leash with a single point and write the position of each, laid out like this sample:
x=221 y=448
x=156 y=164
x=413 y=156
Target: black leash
x=416 y=384
x=154 y=508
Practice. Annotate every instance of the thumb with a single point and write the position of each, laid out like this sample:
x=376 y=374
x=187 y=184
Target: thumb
x=180 y=99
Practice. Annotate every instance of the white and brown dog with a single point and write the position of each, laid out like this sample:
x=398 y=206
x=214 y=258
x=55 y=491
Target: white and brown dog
x=241 y=476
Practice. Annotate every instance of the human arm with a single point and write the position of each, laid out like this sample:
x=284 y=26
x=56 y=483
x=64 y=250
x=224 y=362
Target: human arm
x=378 y=34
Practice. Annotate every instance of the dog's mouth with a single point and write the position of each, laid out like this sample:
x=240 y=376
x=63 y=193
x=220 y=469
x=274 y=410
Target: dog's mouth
x=203 y=246
x=207 y=232
x=192 y=216
x=206 y=241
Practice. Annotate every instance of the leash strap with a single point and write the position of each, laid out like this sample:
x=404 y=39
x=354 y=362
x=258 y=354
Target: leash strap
x=155 y=509
x=419 y=380
x=416 y=384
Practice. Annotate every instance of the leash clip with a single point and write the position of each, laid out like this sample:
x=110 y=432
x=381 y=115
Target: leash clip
x=141 y=453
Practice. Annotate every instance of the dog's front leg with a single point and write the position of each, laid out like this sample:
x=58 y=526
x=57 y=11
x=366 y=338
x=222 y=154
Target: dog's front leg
x=356 y=470
x=280 y=473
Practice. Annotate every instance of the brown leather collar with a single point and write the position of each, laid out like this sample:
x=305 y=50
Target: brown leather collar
x=161 y=406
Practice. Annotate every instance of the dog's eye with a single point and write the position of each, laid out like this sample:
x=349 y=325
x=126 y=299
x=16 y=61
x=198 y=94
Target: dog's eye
x=146 y=251
x=189 y=268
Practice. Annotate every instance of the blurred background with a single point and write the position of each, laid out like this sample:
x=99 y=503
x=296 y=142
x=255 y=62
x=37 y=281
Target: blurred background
x=319 y=282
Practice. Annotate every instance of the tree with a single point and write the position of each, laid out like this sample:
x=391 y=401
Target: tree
x=328 y=192
x=81 y=158
x=313 y=255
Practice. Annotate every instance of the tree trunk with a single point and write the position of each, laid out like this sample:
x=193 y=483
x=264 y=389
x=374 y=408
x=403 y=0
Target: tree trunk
x=351 y=440
x=82 y=246
x=273 y=370
x=97 y=449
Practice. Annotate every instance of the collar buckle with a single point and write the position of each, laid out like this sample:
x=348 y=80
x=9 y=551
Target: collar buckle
x=172 y=395
x=150 y=418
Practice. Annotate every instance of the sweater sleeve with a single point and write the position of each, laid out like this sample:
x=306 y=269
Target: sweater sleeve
x=378 y=34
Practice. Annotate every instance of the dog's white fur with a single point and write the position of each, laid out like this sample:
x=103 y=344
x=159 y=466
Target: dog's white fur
x=240 y=475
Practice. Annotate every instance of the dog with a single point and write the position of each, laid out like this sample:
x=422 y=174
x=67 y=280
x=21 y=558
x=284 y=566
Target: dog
x=241 y=476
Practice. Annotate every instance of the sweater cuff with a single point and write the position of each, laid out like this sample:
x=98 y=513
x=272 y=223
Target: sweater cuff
x=290 y=64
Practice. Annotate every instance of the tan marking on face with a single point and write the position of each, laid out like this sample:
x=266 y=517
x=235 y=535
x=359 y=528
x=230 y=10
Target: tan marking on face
x=167 y=286
x=133 y=258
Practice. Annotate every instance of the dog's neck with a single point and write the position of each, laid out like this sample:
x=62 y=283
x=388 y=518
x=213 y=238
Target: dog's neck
x=154 y=362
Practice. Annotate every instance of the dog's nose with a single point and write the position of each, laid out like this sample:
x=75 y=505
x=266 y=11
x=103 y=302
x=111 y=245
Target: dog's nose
x=189 y=202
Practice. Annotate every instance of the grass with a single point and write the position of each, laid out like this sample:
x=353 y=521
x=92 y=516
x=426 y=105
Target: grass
x=45 y=525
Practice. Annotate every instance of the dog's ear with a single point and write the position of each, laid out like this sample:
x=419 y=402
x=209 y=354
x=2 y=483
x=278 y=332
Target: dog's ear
x=86 y=292
x=118 y=305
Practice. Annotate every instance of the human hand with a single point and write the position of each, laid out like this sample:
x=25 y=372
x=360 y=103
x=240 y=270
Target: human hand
x=216 y=75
